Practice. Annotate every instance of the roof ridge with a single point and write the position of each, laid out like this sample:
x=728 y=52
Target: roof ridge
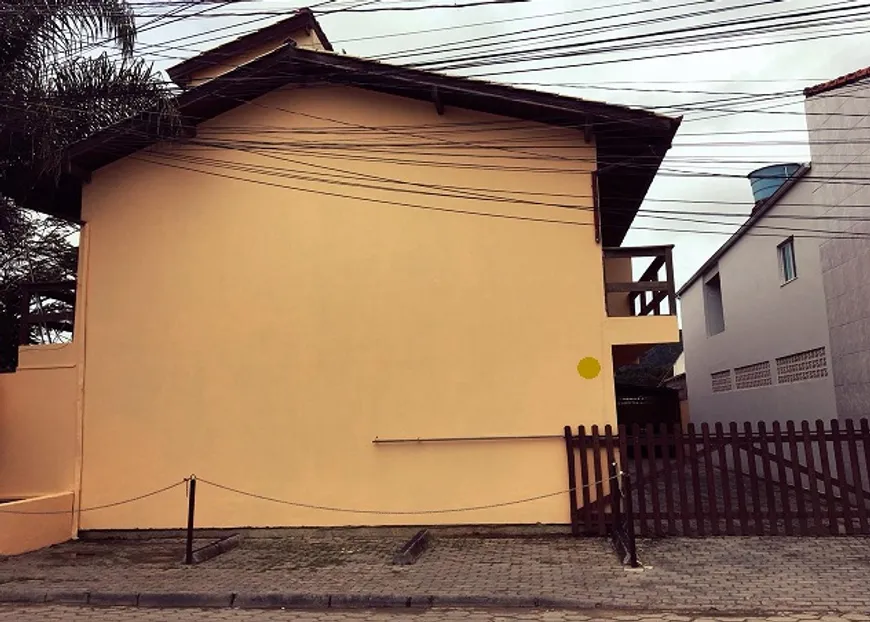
x=302 y=18
x=844 y=80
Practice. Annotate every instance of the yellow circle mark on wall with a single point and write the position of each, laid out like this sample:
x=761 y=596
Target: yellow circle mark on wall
x=589 y=368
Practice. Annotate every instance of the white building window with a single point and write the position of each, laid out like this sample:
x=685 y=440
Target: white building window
x=713 y=310
x=787 y=264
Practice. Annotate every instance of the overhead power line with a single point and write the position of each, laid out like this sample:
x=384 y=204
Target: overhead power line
x=763 y=230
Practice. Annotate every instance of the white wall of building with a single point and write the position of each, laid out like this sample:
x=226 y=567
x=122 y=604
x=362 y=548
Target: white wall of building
x=764 y=320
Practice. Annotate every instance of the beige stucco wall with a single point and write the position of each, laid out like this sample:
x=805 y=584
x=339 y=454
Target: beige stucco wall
x=261 y=335
x=31 y=524
x=38 y=426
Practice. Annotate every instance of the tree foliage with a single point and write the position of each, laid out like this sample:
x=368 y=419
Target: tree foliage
x=66 y=70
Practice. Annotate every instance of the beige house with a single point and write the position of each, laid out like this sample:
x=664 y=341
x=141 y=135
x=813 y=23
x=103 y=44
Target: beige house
x=350 y=285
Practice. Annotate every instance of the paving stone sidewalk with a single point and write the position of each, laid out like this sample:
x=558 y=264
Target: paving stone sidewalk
x=129 y=614
x=342 y=568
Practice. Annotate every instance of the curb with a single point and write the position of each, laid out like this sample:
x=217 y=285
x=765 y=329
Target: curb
x=281 y=601
x=213 y=549
x=339 y=602
x=413 y=549
x=278 y=600
x=184 y=600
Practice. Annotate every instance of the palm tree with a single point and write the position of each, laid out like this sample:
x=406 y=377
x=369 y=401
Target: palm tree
x=66 y=70
x=54 y=88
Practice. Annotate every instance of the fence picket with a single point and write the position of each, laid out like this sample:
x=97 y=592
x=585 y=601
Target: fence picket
x=599 y=483
x=584 y=475
x=572 y=482
x=857 y=480
x=785 y=497
x=797 y=480
x=680 y=447
x=667 y=445
x=812 y=479
x=724 y=472
x=824 y=462
x=653 y=480
x=639 y=480
x=767 y=471
x=842 y=477
x=865 y=443
x=754 y=484
x=622 y=440
x=712 y=506
x=742 y=510
x=696 y=479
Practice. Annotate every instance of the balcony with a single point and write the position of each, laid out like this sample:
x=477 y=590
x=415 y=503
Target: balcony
x=627 y=297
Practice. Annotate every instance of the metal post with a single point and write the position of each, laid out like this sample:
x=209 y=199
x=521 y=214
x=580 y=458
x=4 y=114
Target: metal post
x=669 y=275
x=629 y=521
x=615 y=495
x=191 y=507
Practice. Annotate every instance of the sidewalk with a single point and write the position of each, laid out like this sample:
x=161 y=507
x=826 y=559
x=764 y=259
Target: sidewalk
x=43 y=613
x=344 y=568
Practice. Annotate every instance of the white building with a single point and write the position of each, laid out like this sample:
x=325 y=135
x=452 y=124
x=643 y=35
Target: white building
x=776 y=324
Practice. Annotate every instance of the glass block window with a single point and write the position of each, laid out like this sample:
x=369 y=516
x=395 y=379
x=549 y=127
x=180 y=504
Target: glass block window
x=752 y=376
x=721 y=381
x=802 y=366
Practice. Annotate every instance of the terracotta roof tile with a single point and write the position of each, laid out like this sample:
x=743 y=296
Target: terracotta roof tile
x=830 y=85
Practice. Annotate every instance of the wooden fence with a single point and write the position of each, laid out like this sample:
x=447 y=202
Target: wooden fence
x=792 y=479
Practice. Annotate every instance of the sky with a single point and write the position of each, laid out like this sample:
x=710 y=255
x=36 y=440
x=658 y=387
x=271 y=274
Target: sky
x=723 y=131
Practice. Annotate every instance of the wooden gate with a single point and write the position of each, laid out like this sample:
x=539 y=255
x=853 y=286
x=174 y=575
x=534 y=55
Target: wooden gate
x=791 y=479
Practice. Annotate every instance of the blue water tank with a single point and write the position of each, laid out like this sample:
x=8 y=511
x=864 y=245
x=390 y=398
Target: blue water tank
x=767 y=180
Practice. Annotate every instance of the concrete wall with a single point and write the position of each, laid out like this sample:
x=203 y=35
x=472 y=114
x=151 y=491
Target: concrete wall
x=260 y=328
x=31 y=524
x=39 y=447
x=38 y=422
x=763 y=320
x=839 y=128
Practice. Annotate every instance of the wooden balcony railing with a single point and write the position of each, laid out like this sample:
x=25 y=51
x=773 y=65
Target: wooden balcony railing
x=49 y=307
x=646 y=295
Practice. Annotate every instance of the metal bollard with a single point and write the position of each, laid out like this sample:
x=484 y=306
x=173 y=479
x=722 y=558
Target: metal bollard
x=629 y=521
x=191 y=508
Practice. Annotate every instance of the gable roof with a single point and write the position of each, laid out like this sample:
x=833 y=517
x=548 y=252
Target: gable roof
x=631 y=143
x=302 y=19
x=757 y=214
x=830 y=85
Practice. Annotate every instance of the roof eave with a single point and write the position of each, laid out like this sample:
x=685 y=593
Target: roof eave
x=621 y=133
x=837 y=83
